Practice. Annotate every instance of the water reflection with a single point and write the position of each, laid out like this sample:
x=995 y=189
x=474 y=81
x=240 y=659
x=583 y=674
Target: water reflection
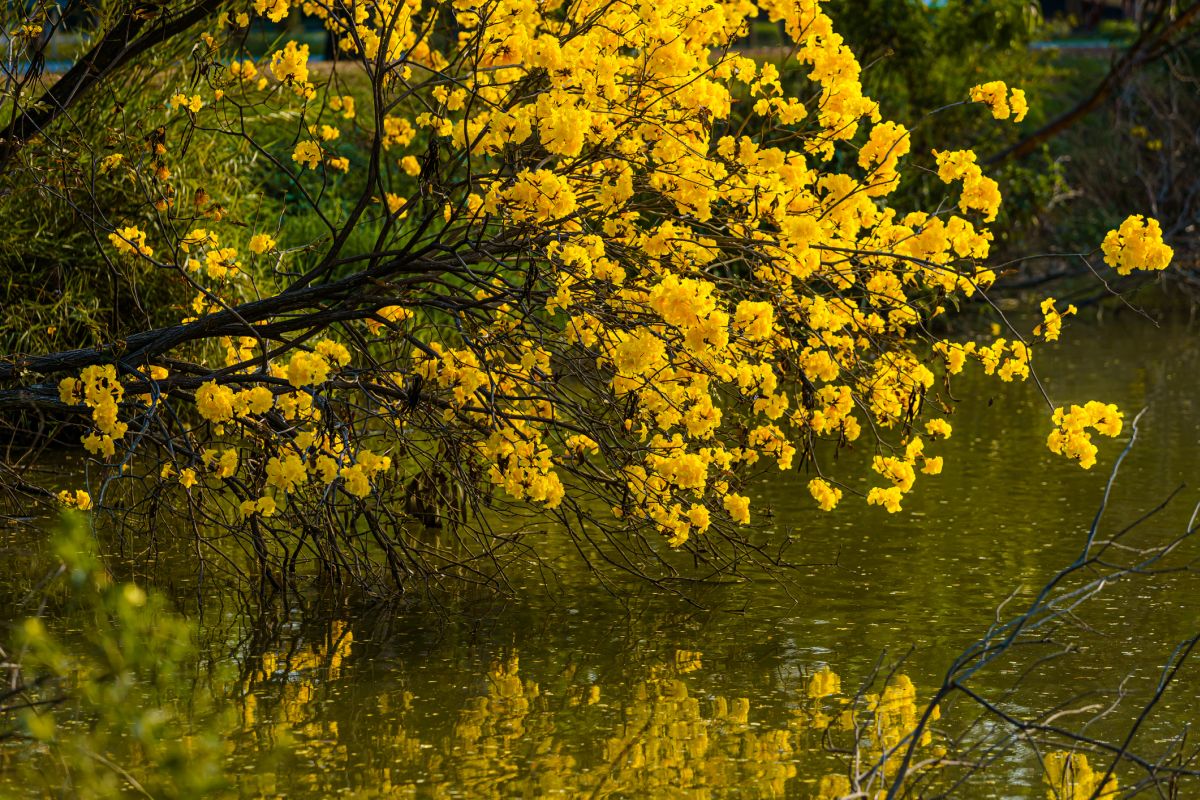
x=1069 y=776
x=554 y=727
x=571 y=690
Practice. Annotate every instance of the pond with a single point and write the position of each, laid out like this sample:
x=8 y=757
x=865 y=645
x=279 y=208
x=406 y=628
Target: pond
x=748 y=689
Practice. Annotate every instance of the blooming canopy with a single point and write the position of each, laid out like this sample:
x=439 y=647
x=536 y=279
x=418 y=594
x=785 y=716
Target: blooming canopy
x=614 y=264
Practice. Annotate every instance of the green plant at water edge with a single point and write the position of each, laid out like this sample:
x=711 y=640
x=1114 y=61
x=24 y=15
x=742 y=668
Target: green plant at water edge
x=106 y=710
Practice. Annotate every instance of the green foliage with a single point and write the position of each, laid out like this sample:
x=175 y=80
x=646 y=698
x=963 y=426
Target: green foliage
x=1131 y=153
x=74 y=294
x=919 y=58
x=112 y=710
x=56 y=284
x=1138 y=151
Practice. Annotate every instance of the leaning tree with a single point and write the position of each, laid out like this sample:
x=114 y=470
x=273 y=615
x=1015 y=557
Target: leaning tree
x=490 y=261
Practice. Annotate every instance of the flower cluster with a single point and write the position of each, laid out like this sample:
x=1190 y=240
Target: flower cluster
x=290 y=67
x=219 y=403
x=99 y=389
x=192 y=104
x=979 y=192
x=1052 y=320
x=78 y=499
x=1137 y=244
x=1070 y=436
x=131 y=240
x=901 y=472
x=390 y=315
x=826 y=495
x=261 y=243
x=1069 y=776
x=1002 y=102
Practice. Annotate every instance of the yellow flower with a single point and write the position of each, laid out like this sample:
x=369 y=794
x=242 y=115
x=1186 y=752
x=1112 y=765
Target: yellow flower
x=391 y=314
x=328 y=468
x=99 y=444
x=979 y=192
x=256 y=400
x=132 y=240
x=305 y=369
x=290 y=65
x=192 y=104
x=261 y=243
x=1137 y=244
x=755 y=321
x=79 y=499
x=334 y=351
x=263 y=506
x=1052 y=321
x=343 y=103
x=889 y=498
x=992 y=94
x=307 y=154
x=1018 y=103
x=579 y=443
x=397 y=132
x=899 y=471
x=738 y=507
x=223 y=464
x=1070 y=436
x=243 y=70
x=395 y=203
x=639 y=354
x=285 y=473
x=214 y=402
x=274 y=10
x=686 y=470
x=221 y=262
x=109 y=163
x=70 y=391
x=538 y=196
x=826 y=495
x=357 y=481
x=938 y=427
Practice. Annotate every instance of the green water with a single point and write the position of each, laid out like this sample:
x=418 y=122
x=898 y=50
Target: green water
x=744 y=689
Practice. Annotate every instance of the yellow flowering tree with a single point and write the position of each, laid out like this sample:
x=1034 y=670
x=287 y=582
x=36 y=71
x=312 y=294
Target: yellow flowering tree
x=582 y=260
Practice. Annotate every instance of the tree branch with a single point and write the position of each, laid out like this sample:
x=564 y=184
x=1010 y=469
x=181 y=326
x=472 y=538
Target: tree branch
x=1148 y=47
x=126 y=40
